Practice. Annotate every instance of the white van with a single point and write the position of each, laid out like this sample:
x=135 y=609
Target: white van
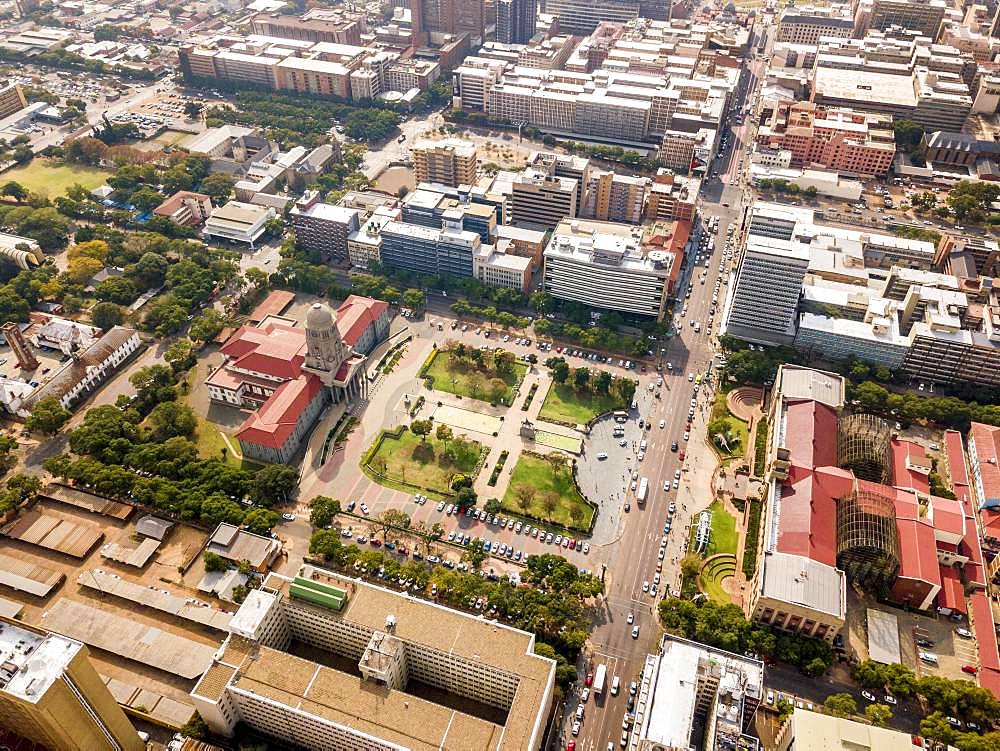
x=928 y=657
x=642 y=445
x=602 y=456
x=616 y=684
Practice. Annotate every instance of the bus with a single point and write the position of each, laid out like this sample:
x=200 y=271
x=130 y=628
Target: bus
x=642 y=490
x=598 y=686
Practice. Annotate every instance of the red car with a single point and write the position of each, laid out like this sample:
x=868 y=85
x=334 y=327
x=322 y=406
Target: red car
x=571 y=746
x=375 y=542
x=572 y=544
x=682 y=455
x=589 y=680
x=970 y=669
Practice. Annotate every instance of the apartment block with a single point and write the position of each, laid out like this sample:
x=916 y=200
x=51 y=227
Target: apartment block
x=323 y=227
x=542 y=200
x=473 y=81
x=611 y=197
x=813 y=731
x=51 y=694
x=838 y=139
x=672 y=197
x=581 y=17
x=808 y=25
x=364 y=246
x=447 y=250
x=605 y=265
x=395 y=641
x=498 y=266
x=450 y=161
x=318 y=25
x=11 y=100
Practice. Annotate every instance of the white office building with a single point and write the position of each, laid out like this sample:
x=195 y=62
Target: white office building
x=603 y=264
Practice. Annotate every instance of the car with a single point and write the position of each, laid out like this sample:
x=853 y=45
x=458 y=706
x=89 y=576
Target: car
x=589 y=680
x=645 y=586
x=925 y=643
x=364 y=509
x=970 y=669
x=963 y=632
x=571 y=746
x=690 y=377
x=672 y=508
x=565 y=542
x=351 y=505
x=440 y=506
x=890 y=699
x=663 y=424
x=630 y=618
x=770 y=696
x=635 y=632
x=868 y=695
x=676 y=483
x=548 y=537
x=973 y=726
x=584 y=695
x=576 y=728
x=687 y=436
x=677 y=474
x=954 y=722
x=288 y=517
x=633 y=688
x=534 y=533
x=673 y=446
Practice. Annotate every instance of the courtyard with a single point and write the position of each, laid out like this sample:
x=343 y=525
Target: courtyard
x=543 y=488
x=406 y=461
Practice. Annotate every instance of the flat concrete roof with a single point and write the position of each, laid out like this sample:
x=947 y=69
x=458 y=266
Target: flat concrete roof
x=883 y=637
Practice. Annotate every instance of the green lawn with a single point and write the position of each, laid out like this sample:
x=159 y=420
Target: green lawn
x=711 y=580
x=410 y=461
x=723 y=539
x=466 y=379
x=733 y=425
x=563 y=403
x=52 y=178
x=537 y=472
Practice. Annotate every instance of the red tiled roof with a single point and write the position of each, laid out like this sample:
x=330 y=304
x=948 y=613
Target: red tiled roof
x=275 y=350
x=902 y=475
x=953 y=446
x=273 y=423
x=811 y=433
x=272 y=305
x=917 y=553
x=952 y=594
x=356 y=314
x=948 y=516
x=172 y=203
x=989 y=655
x=808 y=518
x=987 y=440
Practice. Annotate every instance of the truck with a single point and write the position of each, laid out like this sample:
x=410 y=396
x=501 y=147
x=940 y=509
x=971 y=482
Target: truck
x=599 y=676
x=642 y=490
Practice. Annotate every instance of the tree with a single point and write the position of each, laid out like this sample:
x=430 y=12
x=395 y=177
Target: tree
x=421 y=428
x=47 y=416
x=80 y=270
x=195 y=728
x=498 y=390
x=214 y=561
x=549 y=502
x=323 y=511
x=560 y=371
x=207 y=326
x=218 y=186
x=475 y=553
x=475 y=385
x=466 y=497
x=444 y=433
x=15 y=190
x=525 y=494
x=105 y=315
x=170 y=419
x=878 y=715
x=393 y=518
x=841 y=705
x=541 y=302
x=935 y=726
x=581 y=377
x=180 y=355
x=273 y=483
x=145 y=199
x=192 y=109
x=576 y=513
x=414 y=298
x=260 y=521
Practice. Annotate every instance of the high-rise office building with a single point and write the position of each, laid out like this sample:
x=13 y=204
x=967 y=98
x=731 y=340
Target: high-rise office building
x=765 y=298
x=922 y=17
x=449 y=161
x=516 y=20
x=542 y=200
x=581 y=17
x=51 y=694
x=440 y=17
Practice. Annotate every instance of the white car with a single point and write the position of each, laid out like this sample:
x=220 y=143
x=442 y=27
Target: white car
x=663 y=424
x=635 y=632
x=576 y=728
x=630 y=618
x=645 y=586
x=364 y=508
x=586 y=548
x=441 y=506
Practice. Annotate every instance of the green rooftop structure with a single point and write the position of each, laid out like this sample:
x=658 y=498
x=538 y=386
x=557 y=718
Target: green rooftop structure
x=325 y=595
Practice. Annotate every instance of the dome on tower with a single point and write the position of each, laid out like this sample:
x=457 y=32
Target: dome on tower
x=319 y=317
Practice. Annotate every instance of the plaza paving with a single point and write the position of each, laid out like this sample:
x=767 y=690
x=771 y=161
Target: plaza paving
x=467 y=419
